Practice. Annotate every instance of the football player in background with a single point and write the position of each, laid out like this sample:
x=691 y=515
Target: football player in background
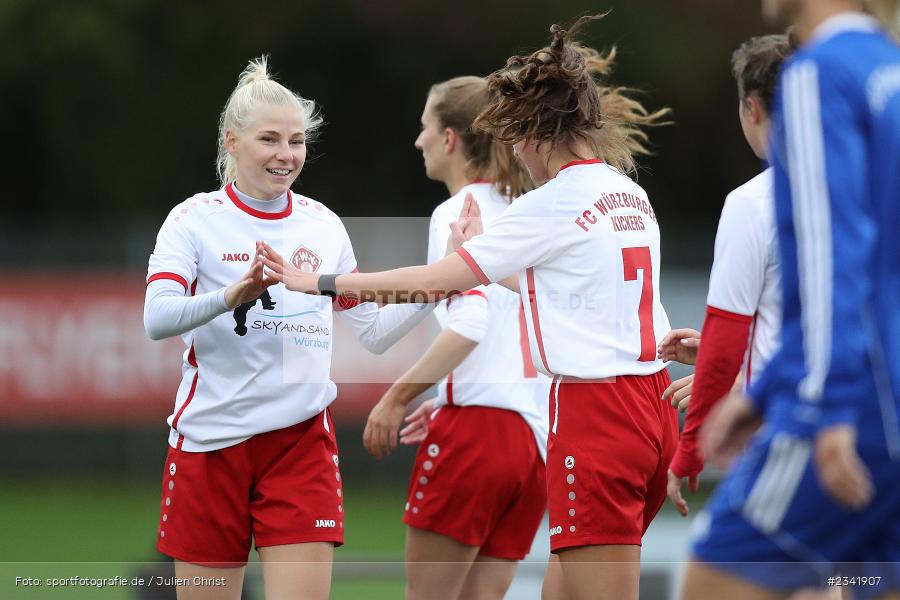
x=743 y=314
x=814 y=499
x=477 y=493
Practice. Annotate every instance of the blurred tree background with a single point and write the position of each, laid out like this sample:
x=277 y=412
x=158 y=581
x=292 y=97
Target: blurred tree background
x=111 y=106
x=111 y=109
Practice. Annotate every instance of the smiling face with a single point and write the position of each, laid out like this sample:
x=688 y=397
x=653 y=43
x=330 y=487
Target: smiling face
x=270 y=152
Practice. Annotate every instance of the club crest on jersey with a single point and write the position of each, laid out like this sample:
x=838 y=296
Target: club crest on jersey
x=306 y=260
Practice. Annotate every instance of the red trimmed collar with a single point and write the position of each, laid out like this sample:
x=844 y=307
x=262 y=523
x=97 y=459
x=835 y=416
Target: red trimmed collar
x=590 y=161
x=229 y=189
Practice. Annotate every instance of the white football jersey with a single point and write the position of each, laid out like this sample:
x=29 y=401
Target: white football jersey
x=264 y=365
x=585 y=246
x=745 y=276
x=499 y=372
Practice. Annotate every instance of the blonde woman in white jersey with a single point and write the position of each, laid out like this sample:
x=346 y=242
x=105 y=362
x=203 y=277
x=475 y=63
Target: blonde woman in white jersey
x=252 y=450
x=467 y=528
x=584 y=251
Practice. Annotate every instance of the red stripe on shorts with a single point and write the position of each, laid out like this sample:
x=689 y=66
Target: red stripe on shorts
x=450 y=388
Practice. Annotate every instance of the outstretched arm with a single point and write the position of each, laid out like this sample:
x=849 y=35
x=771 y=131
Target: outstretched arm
x=725 y=338
x=168 y=312
x=425 y=283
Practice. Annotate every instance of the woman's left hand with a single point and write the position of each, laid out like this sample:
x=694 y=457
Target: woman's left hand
x=673 y=490
x=841 y=471
x=678 y=394
x=680 y=345
x=416 y=428
x=467 y=226
x=280 y=270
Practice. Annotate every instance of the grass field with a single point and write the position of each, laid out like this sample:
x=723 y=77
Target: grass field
x=107 y=528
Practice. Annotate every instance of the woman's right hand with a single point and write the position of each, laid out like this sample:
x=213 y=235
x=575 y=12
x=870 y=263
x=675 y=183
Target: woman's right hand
x=250 y=286
x=417 y=424
x=281 y=271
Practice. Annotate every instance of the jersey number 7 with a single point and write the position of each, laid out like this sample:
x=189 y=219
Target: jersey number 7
x=634 y=259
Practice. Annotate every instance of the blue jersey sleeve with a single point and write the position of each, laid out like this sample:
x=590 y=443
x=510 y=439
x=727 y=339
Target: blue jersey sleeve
x=827 y=236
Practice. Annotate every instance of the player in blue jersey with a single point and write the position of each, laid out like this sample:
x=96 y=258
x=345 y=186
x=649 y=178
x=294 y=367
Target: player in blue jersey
x=816 y=496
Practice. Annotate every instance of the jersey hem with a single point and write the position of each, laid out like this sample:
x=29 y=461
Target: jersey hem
x=595 y=540
x=183 y=556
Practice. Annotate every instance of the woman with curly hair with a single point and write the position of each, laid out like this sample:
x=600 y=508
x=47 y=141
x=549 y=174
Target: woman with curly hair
x=583 y=251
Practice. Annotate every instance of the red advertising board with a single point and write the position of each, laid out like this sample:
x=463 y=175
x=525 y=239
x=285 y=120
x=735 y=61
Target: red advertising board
x=73 y=351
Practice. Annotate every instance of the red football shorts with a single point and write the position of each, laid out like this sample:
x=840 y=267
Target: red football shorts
x=280 y=487
x=479 y=479
x=608 y=454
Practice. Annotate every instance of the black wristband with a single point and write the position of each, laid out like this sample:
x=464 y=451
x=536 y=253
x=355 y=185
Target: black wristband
x=327 y=286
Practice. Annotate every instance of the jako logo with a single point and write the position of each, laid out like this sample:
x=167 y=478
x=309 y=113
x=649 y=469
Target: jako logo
x=325 y=523
x=555 y=530
x=570 y=462
x=237 y=257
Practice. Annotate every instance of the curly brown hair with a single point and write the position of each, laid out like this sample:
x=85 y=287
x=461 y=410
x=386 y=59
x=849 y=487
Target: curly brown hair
x=559 y=95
